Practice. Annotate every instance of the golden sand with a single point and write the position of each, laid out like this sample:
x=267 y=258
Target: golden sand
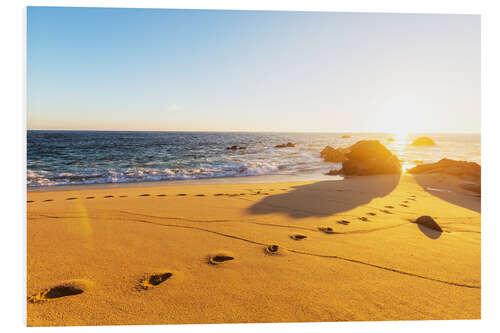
x=272 y=252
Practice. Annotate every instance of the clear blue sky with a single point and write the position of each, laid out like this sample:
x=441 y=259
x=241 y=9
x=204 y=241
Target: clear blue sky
x=154 y=69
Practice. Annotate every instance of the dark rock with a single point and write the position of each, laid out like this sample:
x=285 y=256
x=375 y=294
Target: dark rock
x=370 y=157
x=287 y=145
x=330 y=154
x=235 y=148
x=428 y=222
x=423 y=141
x=462 y=169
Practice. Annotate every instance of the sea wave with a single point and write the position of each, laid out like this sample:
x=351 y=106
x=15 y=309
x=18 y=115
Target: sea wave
x=45 y=178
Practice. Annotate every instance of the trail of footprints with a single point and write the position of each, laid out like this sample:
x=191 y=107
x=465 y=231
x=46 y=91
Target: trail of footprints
x=404 y=203
x=251 y=192
x=150 y=281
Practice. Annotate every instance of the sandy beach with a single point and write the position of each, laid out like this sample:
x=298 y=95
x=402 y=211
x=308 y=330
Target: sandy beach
x=200 y=253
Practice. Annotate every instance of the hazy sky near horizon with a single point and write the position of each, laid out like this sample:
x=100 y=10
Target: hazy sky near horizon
x=156 y=69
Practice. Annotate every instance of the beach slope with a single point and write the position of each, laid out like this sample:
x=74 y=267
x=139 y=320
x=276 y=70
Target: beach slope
x=347 y=250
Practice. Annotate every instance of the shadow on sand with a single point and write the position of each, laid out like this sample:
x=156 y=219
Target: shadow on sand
x=326 y=198
x=432 y=234
x=450 y=192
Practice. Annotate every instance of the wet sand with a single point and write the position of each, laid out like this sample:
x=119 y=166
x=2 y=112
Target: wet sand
x=347 y=250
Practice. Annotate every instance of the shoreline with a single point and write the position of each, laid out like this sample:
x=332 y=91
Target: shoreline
x=199 y=181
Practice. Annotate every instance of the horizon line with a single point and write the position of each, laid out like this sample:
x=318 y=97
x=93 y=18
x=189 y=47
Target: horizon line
x=244 y=131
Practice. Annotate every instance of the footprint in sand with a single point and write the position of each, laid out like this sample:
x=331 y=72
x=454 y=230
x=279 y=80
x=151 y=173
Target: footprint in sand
x=218 y=194
x=71 y=198
x=123 y=196
x=272 y=249
x=108 y=196
x=144 y=195
x=220 y=258
x=326 y=230
x=68 y=288
x=405 y=201
x=242 y=193
x=48 y=200
x=298 y=237
x=389 y=206
x=29 y=201
x=200 y=195
x=370 y=213
x=150 y=281
x=403 y=205
x=344 y=222
x=181 y=194
x=364 y=219
x=385 y=211
x=161 y=195
x=89 y=197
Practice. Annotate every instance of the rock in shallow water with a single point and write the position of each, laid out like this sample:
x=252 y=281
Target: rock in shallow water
x=287 y=145
x=423 y=141
x=331 y=154
x=235 y=148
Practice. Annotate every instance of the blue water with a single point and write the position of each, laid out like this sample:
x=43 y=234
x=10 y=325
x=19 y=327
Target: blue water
x=87 y=157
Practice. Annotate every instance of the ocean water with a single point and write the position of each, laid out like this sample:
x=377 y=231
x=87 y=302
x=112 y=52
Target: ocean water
x=89 y=157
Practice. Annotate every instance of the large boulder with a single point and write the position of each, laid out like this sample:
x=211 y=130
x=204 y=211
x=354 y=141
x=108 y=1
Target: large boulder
x=331 y=154
x=369 y=157
x=462 y=169
x=287 y=145
x=423 y=141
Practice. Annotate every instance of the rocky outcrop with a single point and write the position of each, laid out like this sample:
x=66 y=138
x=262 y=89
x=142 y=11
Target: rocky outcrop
x=423 y=141
x=369 y=157
x=287 y=145
x=462 y=169
x=330 y=154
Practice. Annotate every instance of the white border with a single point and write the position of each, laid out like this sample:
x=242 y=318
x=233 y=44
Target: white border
x=13 y=217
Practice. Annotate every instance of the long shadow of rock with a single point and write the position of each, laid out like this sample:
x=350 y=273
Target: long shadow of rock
x=448 y=188
x=326 y=198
